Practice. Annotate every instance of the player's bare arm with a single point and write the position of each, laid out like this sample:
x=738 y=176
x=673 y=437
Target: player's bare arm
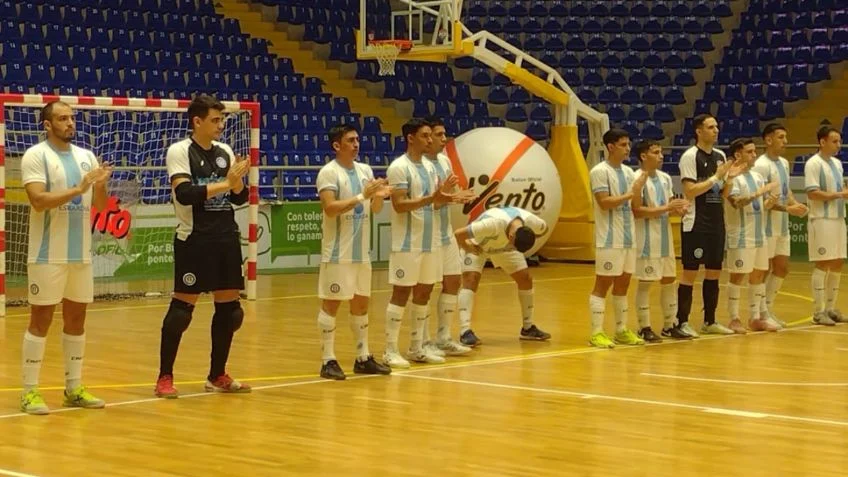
x=42 y=200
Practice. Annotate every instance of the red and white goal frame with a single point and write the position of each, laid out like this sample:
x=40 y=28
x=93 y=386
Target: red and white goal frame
x=137 y=104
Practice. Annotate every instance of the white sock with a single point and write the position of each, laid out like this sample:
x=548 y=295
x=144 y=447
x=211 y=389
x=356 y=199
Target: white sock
x=773 y=285
x=425 y=330
x=643 y=304
x=597 y=306
x=760 y=298
x=733 y=294
x=619 y=304
x=447 y=311
x=753 y=302
x=74 y=349
x=420 y=314
x=359 y=326
x=32 y=354
x=832 y=288
x=525 y=297
x=668 y=300
x=327 y=325
x=817 y=283
x=466 y=306
x=394 y=318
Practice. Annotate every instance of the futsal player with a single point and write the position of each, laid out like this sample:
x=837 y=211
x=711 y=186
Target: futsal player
x=502 y=235
x=62 y=181
x=655 y=259
x=747 y=249
x=349 y=196
x=614 y=185
x=703 y=170
x=451 y=260
x=774 y=168
x=826 y=234
x=415 y=262
x=206 y=180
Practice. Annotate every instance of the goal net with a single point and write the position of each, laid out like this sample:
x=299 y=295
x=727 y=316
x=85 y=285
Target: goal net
x=132 y=238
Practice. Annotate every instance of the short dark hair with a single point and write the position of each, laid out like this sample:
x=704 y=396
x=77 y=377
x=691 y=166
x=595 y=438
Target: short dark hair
x=412 y=126
x=200 y=106
x=525 y=238
x=434 y=121
x=47 y=110
x=772 y=128
x=644 y=146
x=338 y=132
x=825 y=131
x=738 y=145
x=613 y=135
x=700 y=119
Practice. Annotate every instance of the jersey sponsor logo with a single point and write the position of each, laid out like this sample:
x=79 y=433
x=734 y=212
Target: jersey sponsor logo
x=221 y=162
x=34 y=289
x=189 y=279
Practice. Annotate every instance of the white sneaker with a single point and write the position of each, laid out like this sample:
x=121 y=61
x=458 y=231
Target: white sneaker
x=687 y=329
x=432 y=348
x=774 y=321
x=452 y=348
x=393 y=359
x=716 y=329
x=424 y=356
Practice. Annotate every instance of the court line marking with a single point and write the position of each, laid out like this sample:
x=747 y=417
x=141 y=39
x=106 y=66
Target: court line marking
x=12 y=473
x=584 y=395
x=825 y=332
x=286 y=297
x=733 y=381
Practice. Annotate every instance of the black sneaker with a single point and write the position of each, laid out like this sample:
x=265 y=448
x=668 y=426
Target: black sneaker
x=332 y=370
x=648 y=335
x=470 y=339
x=370 y=366
x=534 y=334
x=675 y=333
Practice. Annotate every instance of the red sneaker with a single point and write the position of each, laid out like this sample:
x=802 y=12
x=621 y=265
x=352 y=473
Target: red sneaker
x=225 y=384
x=165 y=387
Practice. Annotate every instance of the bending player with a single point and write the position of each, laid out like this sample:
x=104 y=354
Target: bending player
x=502 y=235
x=614 y=185
x=826 y=235
x=349 y=195
x=451 y=260
x=59 y=178
x=206 y=180
x=655 y=243
x=774 y=168
x=747 y=250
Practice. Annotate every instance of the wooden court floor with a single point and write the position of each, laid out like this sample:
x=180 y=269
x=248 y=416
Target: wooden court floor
x=755 y=405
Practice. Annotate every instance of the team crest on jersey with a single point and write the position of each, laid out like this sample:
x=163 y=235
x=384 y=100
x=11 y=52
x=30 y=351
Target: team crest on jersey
x=189 y=279
x=608 y=266
x=85 y=166
x=399 y=274
x=335 y=288
x=649 y=269
x=822 y=250
x=33 y=289
x=221 y=162
x=699 y=252
x=739 y=263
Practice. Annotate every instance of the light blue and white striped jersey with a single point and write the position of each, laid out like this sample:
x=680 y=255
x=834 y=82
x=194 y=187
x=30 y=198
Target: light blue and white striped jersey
x=614 y=228
x=745 y=227
x=61 y=234
x=346 y=238
x=488 y=231
x=653 y=235
x=413 y=231
x=776 y=170
x=443 y=222
x=825 y=175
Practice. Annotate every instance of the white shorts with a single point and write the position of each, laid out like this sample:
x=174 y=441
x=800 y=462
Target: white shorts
x=341 y=281
x=49 y=283
x=408 y=269
x=614 y=262
x=746 y=260
x=451 y=260
x=826 y=239
x=510 y=262
x=656 y=268
x=779 y=246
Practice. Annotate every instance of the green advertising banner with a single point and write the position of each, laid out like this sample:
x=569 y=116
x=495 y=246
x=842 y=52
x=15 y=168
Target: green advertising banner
x=147 y=252
x=296 y=229
x=798 y=234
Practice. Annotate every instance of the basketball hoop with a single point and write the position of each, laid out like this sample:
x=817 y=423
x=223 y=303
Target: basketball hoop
x=387 y=52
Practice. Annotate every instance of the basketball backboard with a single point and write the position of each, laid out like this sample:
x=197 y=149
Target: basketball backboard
x=433 y=27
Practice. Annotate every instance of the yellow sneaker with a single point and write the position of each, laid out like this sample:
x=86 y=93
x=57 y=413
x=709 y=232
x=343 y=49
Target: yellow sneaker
x=601 y=340
x=79 y=397
x=33 y=403
x=627 y=337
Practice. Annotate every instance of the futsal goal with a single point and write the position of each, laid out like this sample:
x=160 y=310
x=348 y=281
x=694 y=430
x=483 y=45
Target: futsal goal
x=132 y=251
